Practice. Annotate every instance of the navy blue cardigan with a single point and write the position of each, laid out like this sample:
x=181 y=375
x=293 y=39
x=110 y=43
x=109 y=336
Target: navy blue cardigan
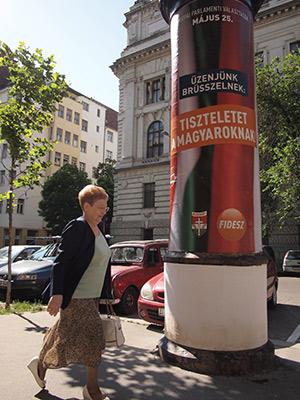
x=75 y=253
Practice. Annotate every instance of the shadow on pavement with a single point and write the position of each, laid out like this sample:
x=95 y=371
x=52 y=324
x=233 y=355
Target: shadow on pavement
x=135 y=374
x=35 y=327
x=282 y=321
x=45 y=395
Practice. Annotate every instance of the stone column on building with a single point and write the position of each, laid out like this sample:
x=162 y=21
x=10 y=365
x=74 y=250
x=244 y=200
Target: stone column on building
x=215 y=273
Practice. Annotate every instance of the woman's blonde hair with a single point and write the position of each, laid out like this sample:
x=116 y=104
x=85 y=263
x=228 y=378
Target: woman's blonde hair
x=91 y=193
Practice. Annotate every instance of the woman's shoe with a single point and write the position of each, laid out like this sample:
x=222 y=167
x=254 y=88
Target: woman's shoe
x=87 y=396
x=33 y=367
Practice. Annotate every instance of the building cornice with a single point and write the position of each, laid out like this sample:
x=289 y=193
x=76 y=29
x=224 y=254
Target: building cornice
x=123 y=62
x=277 y=12
x=140 y=6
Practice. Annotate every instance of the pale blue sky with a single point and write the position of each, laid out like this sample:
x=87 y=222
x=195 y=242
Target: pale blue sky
x=86 y=37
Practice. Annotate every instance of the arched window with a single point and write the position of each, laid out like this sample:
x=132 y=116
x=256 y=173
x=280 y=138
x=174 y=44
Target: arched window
x=155 y=145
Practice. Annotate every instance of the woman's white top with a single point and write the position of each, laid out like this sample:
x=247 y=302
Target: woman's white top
x=91 y=283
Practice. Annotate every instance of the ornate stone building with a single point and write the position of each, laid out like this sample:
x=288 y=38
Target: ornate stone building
x=144 y=69
x=141 y=207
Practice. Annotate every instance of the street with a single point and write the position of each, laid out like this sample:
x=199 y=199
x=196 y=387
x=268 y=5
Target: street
x=135 y=373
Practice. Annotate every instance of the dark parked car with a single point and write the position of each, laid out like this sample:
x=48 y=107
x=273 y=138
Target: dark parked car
x=30 y=277
x=18 y=252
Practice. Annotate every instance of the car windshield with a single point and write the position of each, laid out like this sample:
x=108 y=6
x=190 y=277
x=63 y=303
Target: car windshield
x=128 y=254
x=45 y=252
x=293 y=255
x=4 y=252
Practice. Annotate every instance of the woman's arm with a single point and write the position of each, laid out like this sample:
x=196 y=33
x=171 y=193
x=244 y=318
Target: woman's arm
x=69 y=247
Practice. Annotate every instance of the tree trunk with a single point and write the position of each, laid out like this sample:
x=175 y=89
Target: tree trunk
x=10 y=234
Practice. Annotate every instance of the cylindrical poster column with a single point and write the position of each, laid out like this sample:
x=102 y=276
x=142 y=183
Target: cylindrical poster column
x=215 y=275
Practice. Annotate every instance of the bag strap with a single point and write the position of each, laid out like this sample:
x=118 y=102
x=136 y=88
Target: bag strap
x=109 y=308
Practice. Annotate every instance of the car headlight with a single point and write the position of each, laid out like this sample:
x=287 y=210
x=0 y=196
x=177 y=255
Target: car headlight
x=26 y=277
x=146 y=292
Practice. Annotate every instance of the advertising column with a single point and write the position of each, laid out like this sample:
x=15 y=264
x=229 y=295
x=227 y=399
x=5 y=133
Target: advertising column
x=215 y=274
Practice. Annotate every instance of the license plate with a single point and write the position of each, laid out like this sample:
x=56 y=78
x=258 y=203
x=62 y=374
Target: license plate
x=3 y=283
x=161 y=312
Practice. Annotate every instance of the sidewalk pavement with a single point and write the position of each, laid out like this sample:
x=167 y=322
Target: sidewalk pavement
x=132 y=372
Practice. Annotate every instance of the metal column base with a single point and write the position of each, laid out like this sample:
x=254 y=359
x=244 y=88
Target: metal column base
x=218 y=362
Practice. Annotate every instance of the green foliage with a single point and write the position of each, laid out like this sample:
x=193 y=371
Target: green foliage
x=34 y=90
x=20 y=307
x=59 y=202
x=104 y=174
x=278 y=89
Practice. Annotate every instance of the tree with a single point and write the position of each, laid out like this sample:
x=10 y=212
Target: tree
x=33 y=92
x=104 y=174
x=278 y=89
x=59 y=202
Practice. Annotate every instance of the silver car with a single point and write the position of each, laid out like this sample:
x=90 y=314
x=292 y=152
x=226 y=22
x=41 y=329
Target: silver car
x=291 y=261
x=18 y=252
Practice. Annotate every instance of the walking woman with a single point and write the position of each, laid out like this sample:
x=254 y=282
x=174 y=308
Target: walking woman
x=80 y=276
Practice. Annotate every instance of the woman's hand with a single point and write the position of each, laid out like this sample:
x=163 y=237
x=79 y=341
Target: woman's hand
x=54 y=304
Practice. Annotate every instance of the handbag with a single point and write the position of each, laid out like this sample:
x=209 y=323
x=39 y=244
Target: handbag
x=112 y=328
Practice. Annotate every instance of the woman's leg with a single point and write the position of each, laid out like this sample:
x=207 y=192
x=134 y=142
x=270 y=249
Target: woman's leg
x=41 y=371
x=92 y=384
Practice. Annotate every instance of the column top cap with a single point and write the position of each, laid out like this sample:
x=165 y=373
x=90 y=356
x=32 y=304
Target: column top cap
x=169 y=7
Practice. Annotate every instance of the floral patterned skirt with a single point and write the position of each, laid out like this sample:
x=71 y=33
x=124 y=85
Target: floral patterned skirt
x=76 y=337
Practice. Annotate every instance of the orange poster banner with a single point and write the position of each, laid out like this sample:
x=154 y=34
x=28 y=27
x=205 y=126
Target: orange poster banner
x=220 y=124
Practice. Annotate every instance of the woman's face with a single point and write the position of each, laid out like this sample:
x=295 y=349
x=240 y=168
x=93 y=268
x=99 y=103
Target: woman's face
x=95 y=212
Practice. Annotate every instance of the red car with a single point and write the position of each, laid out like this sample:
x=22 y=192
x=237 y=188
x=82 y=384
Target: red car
x=151 y=300
x=133 y=263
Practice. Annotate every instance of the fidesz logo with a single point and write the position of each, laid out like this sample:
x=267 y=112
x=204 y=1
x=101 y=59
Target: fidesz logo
x=231 y=224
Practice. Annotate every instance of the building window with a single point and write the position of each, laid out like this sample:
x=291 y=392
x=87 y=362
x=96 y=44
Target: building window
x=82 y=166
x=66 y=159
x=76 y=118
x=61 y=111
x=57 y=158
x=82 y=146
x=20 y=206
x=69 y=115
x=17 y=241
x=109 y=154
x=98 y=113
x=155 y=90
x=97 y=128
x=31 y=235
x=84 y=125
x=294 y=46
x=68 y=137
x=149 y=195
x=110 y=136
x=4 y=151
x=75 y=140
x=59 y=134
x=97 y=149
x=74 y=161
x=85 y=106
x=2 y=177
x=148 y=234
x=155 y=138
x=6 y=237
x=259 y=59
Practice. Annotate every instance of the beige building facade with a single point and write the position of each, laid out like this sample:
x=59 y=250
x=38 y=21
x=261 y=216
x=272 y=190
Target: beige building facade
x=79 y=128
x=141 y=207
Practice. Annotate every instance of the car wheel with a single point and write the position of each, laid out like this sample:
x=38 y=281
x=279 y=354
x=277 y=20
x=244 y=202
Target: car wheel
x=272 y=303
x=128 y=304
